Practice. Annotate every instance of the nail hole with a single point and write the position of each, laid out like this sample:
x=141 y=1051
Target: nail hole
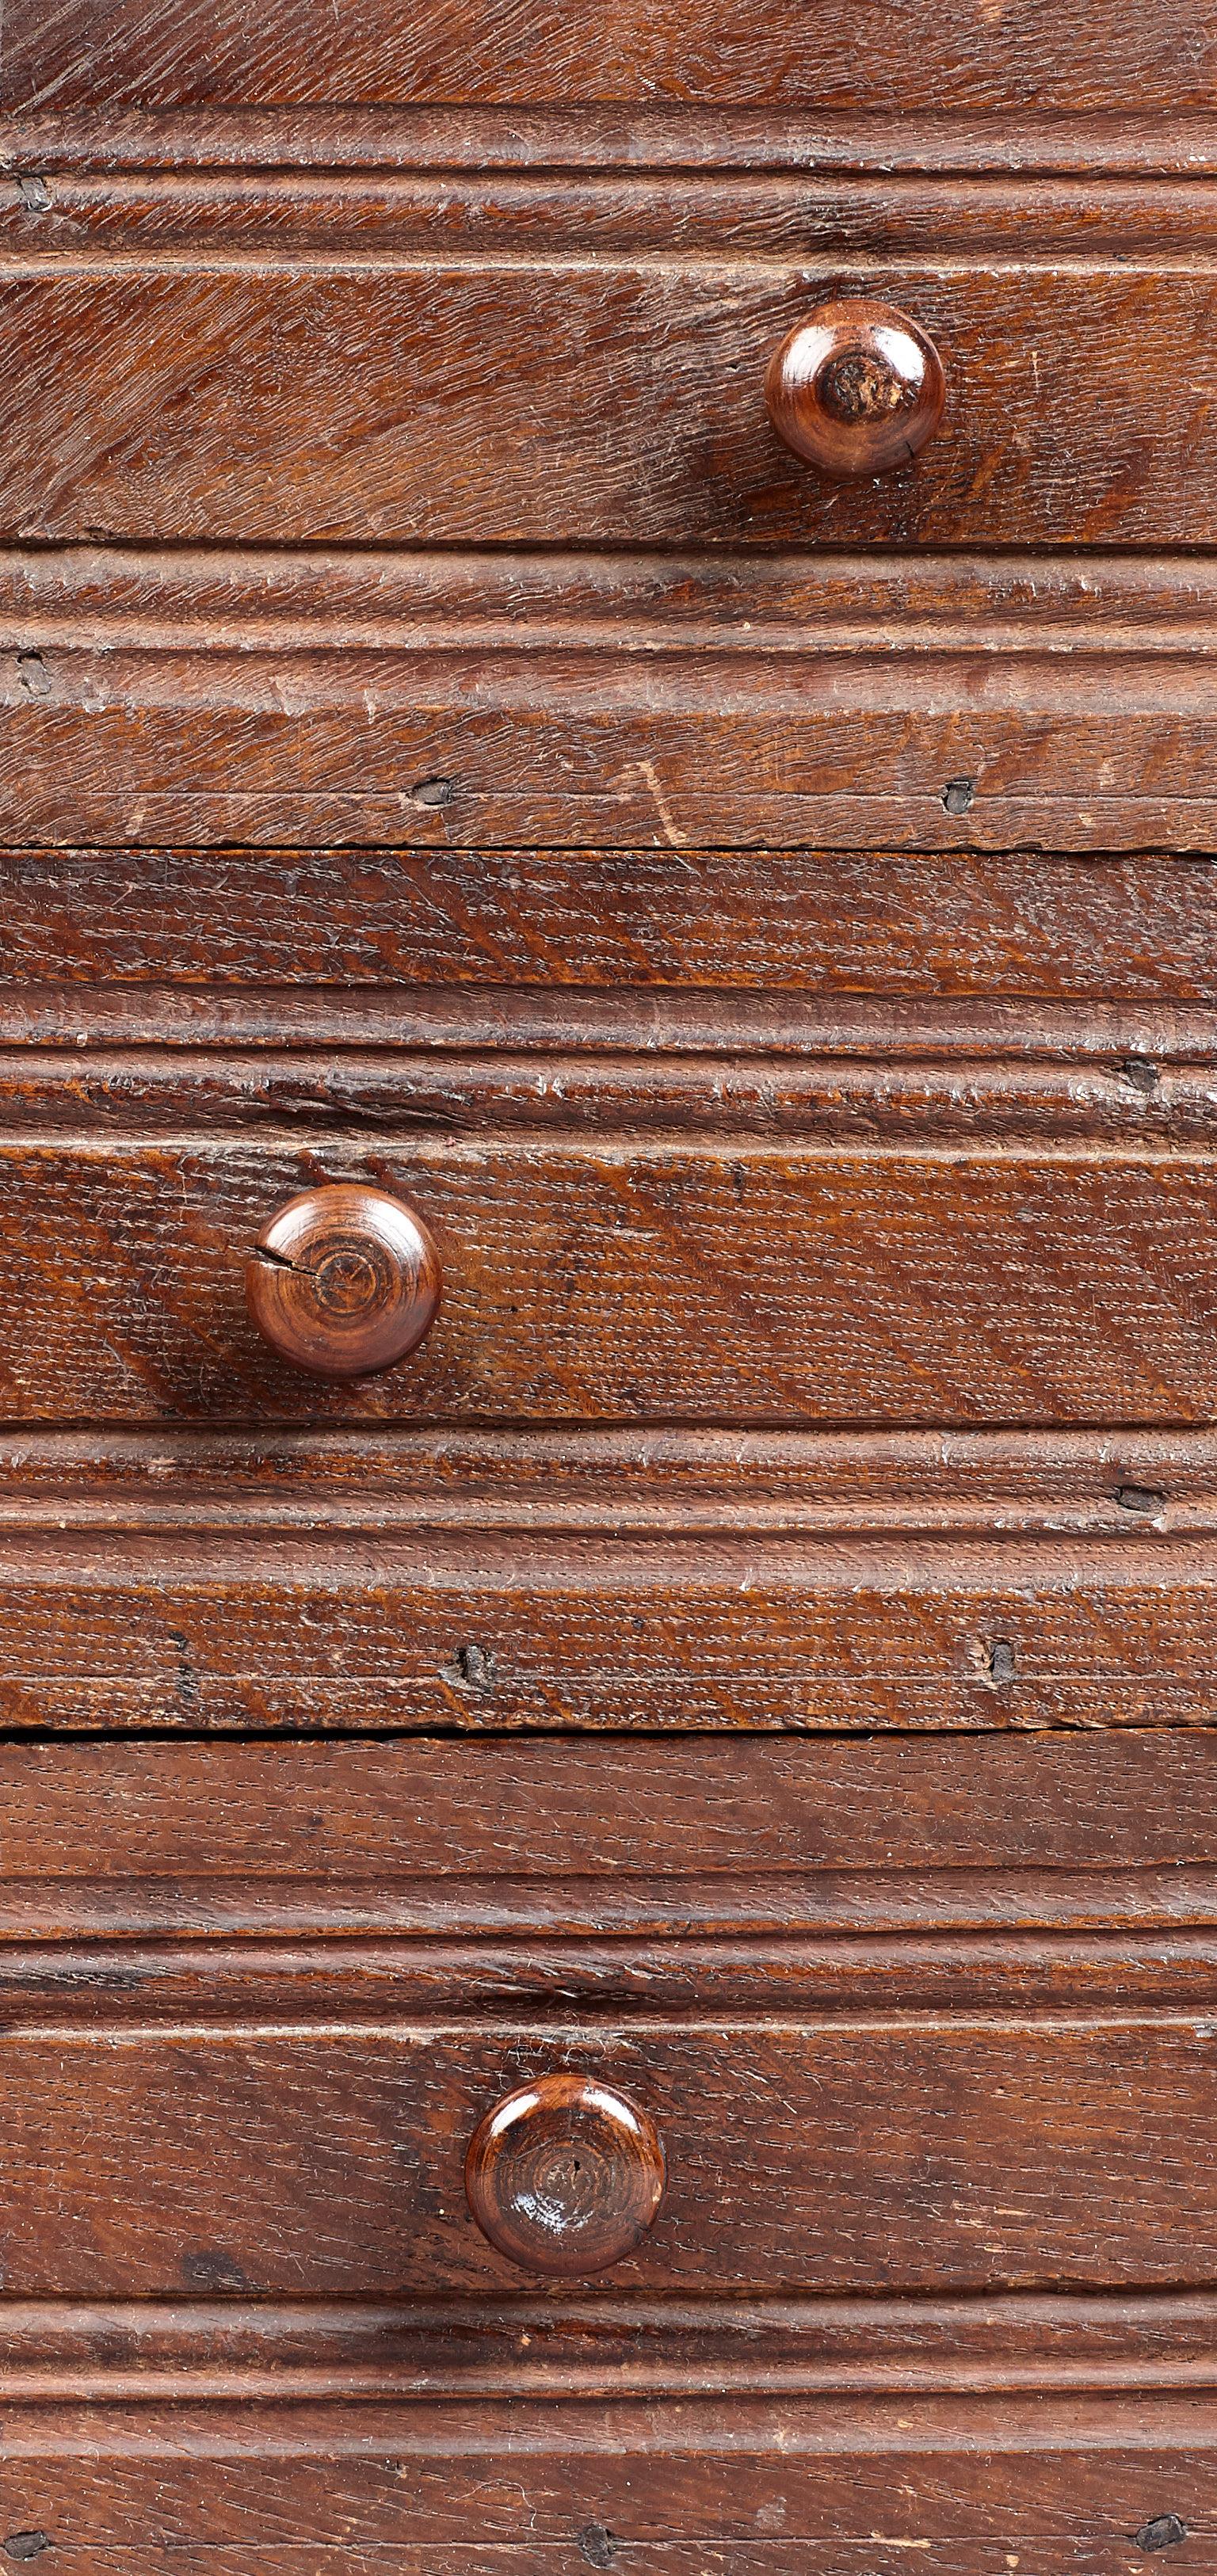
x=1139 y=1498
x=957 y=795
x=1141 y=1073
x=597 y=2545
x=476 y=1666
x=1000 y=1660
x=1164 y=2532
x=433 y=791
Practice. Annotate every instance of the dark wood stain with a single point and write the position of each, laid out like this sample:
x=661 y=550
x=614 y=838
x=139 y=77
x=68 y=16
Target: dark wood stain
x=608 y=1917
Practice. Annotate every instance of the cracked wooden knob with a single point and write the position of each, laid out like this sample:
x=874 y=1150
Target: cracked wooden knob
x=344 y=1281
x=856 y=389
x=565 y=2176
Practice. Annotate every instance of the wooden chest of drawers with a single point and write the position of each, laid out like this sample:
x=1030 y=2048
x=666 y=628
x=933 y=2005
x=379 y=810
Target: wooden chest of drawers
x=608 y=1289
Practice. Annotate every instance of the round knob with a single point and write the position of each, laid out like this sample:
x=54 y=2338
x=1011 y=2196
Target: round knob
x=343 y=1281
x=565 y=2176
x=855 y=389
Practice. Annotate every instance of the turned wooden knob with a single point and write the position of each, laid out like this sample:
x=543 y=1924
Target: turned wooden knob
x=565 y=2176
x=855 y=389
x=343 y=1281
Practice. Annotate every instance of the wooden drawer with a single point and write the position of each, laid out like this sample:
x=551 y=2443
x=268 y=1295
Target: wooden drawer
x=965 y=61
x=295 y=2062
x=626 y=1276
x=217 y=401
x=308 y=1968
x=941 y=2155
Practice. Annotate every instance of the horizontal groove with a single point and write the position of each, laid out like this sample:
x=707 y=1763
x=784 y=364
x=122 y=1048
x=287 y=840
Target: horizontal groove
x=674 y=139
x=783 y=268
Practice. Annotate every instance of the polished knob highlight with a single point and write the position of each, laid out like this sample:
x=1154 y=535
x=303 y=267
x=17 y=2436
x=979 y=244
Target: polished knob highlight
x=856 y=389
x=344 y=1281
x=565 y=2176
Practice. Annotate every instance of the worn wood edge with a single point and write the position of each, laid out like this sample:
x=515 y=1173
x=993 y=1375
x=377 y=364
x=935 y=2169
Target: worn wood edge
x=387 y=216
x=162 y=597
x=71 y=1946
x=203 y=2350
x=375 y=2434
x=1125 y=1484
x=663 y=138
x=919 y=1949
x=633 y=813
x=1127 y=1040
x=973 y=1103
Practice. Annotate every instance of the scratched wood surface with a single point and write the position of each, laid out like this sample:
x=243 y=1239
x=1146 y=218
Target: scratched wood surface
x=761 y=1648
x=1045 y=140
x=482 y=699
x=855 y=58
x=216 y=400
x=648 y=949
x=499 y=204
x=930 y=2152
x=535 y=2488
x=480 y=1632
x=696 y=1276
x=973 y=1871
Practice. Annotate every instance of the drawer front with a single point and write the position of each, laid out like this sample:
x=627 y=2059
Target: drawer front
x=726 y=952
x=412 y=403
x=631 y=1279
x=293 y=2335
x=885 y=2009
x=329 y=2163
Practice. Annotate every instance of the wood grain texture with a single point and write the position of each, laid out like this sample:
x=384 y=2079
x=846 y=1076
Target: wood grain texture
x=650 y=950
x=530 y=2487
x=700 y=1278
x=475 y=700
x=854 y=59
x=473 y=703
x=480 y=1633
x=872 y=2152
x=117 y=2352
x=109 y=137
x=1084 y=1092
x=605 y=1820
x=295 y=403
x=743 y=202
x=654 y=1478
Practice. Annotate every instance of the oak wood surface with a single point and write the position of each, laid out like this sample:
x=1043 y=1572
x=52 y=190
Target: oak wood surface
x=853 y=58
x=533 y=2488
x=207 y=398
x=599 y=1816
x=1016 y=953
x=609 y=2342
x=743 y=200
x=485 y=1632
x=511 y=747
x=697 y=1277
x=106 y=136
x=476 y=699
x=931 y=2152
